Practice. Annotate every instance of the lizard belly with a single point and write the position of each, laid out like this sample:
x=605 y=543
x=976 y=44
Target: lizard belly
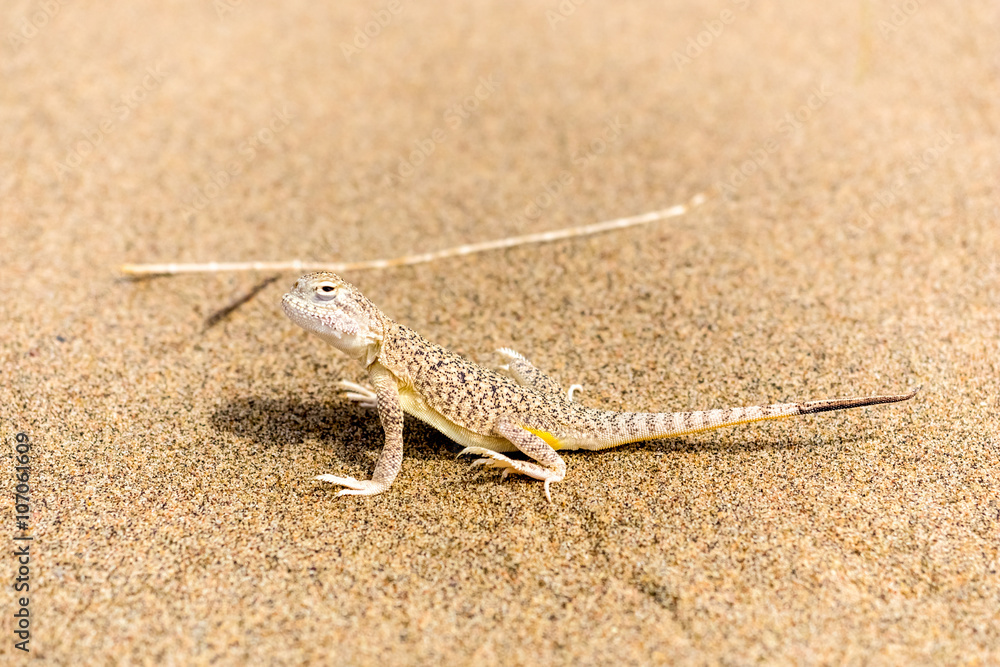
x=414 y=404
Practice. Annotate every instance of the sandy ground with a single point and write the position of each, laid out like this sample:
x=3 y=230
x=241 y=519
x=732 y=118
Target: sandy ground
x=850 y=244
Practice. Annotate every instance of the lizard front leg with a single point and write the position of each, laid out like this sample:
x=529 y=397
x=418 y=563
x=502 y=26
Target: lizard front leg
x=549 y=467
x=390 y=413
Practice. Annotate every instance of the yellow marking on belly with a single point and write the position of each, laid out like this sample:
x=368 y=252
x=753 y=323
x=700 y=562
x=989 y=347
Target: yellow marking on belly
x=546 y=436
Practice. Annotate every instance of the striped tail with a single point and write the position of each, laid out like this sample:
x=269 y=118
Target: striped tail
x=638 y=426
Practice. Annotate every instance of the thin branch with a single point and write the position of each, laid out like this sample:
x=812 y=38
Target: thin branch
x=299 y=266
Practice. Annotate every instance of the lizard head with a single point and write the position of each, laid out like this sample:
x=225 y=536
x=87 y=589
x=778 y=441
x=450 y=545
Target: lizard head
x=324 y=304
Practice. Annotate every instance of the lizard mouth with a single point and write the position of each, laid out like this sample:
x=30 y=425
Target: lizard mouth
x=315 y=319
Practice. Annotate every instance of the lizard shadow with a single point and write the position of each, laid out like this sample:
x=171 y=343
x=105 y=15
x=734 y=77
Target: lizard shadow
x=348 y=430
x=272 y=422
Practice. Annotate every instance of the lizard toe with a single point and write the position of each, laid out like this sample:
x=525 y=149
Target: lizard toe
x=343 y=481
x=481 y=451
x=370 y=489
x=355 y=487
x=359 y=393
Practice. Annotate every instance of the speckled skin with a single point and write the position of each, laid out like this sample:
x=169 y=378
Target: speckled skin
x=515 y=407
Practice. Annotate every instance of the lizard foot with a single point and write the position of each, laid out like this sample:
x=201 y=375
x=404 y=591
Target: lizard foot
x=359 y=393
x=507 y=465
x=354 y=487
x=508 y=356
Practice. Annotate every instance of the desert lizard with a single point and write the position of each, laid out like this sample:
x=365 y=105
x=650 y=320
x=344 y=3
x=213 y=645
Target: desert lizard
x=512 y=408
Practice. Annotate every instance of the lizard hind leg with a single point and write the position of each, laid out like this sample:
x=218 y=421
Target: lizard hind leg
x=526 y=374
x=547 y=466
x=523 y=372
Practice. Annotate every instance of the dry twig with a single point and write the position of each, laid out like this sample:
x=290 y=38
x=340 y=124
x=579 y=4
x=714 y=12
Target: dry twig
x=138 y=270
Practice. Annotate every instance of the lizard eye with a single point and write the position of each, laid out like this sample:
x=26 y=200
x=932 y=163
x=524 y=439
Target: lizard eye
x=325 y=291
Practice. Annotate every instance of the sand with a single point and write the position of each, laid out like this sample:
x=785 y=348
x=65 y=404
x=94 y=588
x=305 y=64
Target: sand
x=849 y=244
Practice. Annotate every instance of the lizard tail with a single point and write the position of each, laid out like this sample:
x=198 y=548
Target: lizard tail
x=638 y=426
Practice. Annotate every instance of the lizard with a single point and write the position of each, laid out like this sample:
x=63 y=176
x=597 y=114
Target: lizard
x=491 y=412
